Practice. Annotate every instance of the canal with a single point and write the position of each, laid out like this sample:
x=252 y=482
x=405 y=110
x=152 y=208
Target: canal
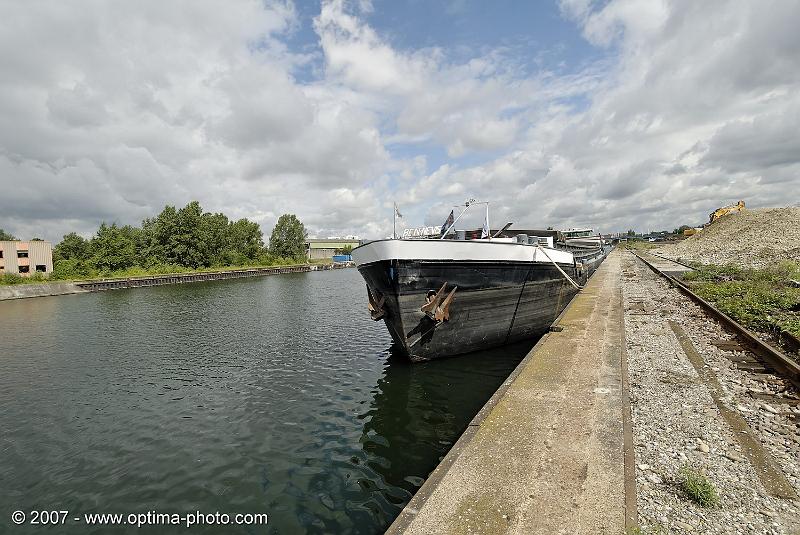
x=273 y=395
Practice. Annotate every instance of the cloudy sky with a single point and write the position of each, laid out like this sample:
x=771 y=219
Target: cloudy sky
x=613 y=114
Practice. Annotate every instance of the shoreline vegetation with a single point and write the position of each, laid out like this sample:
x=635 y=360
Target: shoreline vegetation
x=37 y=278
x=177 y=241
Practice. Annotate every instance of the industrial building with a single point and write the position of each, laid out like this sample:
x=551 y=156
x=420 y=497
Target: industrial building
x=26 y=257
x=325 y=248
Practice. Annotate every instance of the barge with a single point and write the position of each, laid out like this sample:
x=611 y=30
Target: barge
x=443 y=297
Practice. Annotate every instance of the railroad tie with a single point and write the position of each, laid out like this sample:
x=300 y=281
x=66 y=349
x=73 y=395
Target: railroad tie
x=766 y=468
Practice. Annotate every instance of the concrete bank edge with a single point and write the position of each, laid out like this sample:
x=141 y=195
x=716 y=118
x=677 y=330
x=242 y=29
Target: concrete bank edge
x=409 y=512
x=48 y=289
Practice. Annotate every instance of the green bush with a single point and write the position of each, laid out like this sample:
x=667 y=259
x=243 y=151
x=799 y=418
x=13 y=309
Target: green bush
x=698 y=487
x=72 y=269
x=11 y=278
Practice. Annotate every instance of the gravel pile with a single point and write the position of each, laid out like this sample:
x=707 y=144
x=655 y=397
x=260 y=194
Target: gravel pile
x=751 y=238
x=676 y=422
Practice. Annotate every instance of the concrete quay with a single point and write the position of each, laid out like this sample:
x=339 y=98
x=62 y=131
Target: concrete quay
x=551 y=451
x=45 y=289
x=640 y=413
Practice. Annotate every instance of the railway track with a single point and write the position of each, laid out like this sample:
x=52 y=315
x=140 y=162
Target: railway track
x=768 y=359
x=736 y=401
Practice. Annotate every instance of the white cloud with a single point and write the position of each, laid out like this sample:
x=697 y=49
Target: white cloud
x=692 y=115
x=110 y=110
x=357 y=56
x=478 y=105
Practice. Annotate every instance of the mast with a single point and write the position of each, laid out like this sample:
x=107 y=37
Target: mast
x=486 y=223
x=466 y=205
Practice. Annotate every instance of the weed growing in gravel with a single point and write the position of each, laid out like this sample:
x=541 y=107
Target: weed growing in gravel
x=698 y=487
x=640 y=245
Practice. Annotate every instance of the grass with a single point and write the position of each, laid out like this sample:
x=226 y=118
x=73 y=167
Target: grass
x=641 y=245
x=698 y=487
x=13 y=278
x=761 y=299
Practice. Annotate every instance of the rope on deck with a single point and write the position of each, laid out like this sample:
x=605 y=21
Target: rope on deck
x=572 y=282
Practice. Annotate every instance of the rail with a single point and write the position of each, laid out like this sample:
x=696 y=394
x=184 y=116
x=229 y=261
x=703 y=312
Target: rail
x=770 y=355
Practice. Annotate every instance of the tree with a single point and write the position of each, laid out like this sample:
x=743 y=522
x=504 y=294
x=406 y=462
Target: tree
x=347 y=249
x=71 y=246
x=215 y=232
x=189 y=245
x=246 y=238
x=156 y=245
x=113 y=247
x=680 y=229
x=5 y=236
x=191 y=238
x=186 y=237
x=288 y=237
x=631 y=232
x=173 y=237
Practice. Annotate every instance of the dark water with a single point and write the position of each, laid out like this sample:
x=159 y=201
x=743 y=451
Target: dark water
x=275 y=395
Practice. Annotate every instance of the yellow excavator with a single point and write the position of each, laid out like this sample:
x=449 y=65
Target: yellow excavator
x=725 y=210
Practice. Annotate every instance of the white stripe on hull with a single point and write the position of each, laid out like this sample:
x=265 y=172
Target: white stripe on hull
x=475 y=250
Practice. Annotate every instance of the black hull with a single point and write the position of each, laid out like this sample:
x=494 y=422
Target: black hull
x=496 y=303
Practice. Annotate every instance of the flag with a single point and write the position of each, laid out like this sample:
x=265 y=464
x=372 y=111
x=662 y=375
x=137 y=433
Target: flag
x=448 y=222
x=396 y=211
x=485 y=229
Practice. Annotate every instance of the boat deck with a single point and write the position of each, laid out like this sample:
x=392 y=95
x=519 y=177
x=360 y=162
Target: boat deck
x=548 y=453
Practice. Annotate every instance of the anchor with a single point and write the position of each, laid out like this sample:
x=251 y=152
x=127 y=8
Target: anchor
x=375 y=306
x=437 y=307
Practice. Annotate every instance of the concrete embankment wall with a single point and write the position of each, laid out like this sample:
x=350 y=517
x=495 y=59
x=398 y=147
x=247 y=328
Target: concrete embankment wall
x=21 y=291
x=548 y=453
x=63 y=288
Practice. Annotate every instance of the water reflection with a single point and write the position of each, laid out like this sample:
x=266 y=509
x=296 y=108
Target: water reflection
x=417 y=413
x=250 y=395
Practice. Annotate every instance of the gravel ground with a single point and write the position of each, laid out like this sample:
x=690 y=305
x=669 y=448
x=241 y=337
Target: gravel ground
x=676 y=422
x=752 y=238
